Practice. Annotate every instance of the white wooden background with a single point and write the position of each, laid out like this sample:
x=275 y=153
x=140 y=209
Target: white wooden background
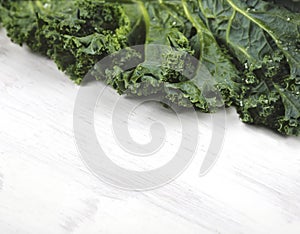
x=45 y=187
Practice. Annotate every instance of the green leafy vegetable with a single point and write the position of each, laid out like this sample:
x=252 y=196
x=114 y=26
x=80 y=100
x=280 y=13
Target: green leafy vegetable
x=250 y=48
x=75 y=34
x=265 y=40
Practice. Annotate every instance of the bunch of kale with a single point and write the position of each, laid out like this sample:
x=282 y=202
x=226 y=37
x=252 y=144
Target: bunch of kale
x=251 y=49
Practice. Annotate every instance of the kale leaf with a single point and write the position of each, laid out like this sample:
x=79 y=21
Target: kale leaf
x=75 y=34
x=265 y=40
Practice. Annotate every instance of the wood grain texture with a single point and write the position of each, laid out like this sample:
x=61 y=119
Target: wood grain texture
x=46 y=188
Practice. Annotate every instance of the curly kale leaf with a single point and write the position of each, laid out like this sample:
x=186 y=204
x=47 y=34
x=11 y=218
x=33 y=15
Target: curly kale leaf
x=264 y=39
x=174 y=26
x=211 y=55
x=162 y=25
x=75 y=34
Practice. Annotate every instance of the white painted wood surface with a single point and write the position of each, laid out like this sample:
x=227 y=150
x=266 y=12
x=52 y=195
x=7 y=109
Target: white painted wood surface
x=46 y=188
